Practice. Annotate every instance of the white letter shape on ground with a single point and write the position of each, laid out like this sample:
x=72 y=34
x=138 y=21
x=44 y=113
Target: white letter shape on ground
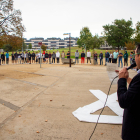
x=84 y=113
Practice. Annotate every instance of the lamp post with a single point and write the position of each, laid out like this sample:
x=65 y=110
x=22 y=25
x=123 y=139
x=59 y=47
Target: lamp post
x=69 y=46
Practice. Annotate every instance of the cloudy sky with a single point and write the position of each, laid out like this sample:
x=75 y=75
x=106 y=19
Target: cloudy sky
x=52 y=18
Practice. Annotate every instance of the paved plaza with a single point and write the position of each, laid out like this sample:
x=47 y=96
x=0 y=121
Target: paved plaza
x=37 y=103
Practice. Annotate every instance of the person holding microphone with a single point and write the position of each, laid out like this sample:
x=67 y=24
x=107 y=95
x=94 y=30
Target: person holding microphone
x=129 y=100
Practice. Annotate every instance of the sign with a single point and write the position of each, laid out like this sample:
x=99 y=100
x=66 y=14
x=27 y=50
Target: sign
x=111 y=67
x=39 y=43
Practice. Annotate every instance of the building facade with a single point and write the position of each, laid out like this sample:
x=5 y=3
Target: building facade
x=51 y=43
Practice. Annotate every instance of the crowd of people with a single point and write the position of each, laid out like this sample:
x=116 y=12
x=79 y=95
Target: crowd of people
x=114 y=57
x=35 y=57
x=52 y=58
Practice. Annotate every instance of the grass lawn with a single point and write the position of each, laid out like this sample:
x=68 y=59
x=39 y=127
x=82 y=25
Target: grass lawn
x=73 y=50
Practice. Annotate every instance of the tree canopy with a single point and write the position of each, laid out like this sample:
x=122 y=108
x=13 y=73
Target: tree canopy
x=10 y=19
x=130 y=45
x=30 y=46
x=43 y=47
x=11 y=42
x=86 y=40
x=137 y=33
x=119 y=32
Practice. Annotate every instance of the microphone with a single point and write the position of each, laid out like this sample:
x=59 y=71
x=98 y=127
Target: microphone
x=132 y=66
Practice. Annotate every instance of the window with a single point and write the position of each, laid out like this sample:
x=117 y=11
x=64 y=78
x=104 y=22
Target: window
x=61 y=43
x=70 y=42
x=53 y=45
x=61 y=47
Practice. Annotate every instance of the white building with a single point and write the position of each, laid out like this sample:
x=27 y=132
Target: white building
x=52 y=43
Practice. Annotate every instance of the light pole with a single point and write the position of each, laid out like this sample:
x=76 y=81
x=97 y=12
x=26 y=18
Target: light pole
x=69 y=46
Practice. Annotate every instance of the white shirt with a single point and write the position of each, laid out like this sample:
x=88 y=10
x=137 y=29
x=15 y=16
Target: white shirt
x=38 y=55
x=88 y=54
x=57 y=54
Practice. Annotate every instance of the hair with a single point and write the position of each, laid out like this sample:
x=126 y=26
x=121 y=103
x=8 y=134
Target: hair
x=138 y=48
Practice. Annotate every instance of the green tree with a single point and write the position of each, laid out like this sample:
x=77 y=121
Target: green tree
x=30 y=46
x=24 y=46
x=8 y=47
x=97 y=41
x=119 y=32
x=85 y=39
x=10 y=19
x=43 y=47
x=137 y=33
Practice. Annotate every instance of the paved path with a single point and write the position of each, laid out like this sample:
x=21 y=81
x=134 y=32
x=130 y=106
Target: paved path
x=29 y=96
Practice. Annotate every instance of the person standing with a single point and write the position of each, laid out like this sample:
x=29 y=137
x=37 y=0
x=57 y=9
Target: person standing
x=125 y=58
x=68 y=55
x=3 y=58
x=33 y=57
x=46 y=57
x=101 y=58
x=115 y=56
x=7 y=58
x=106 y=57
x=25 y=57
x=110 y=57
x=131 y=57
x=95 y=58
x=16 y=57
x=57 y=56
x=50 y=57
x=62 y=55
x=36 y=57
x=13 y=57
x=120 y=59
x=129 y=99
x=0 y=58
x=22 y=57
x=53 y=57
x=89 y=56
x=29 y=55
x=82 y=57
x=19 y=58
x=77 y=57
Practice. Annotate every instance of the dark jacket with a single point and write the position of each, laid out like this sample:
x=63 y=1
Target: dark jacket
x=107 y=55
x=125 y=55
x=46 y=55
x=33 y=55
x=3 y=56
x=101 y=55
x=95 y=56
x=50 y=55
x=82 y=54
x=129 y=99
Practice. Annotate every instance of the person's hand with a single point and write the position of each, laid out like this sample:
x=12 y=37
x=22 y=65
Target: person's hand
x=123 y=73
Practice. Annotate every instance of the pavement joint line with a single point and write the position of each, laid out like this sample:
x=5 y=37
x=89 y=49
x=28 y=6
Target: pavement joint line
x=18 y=111
x=9 y=105
x=27 y=82
x=38 y=74
x=31 y=73
x=25 y=105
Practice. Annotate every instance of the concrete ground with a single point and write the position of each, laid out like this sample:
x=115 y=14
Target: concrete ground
x=37 y=103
